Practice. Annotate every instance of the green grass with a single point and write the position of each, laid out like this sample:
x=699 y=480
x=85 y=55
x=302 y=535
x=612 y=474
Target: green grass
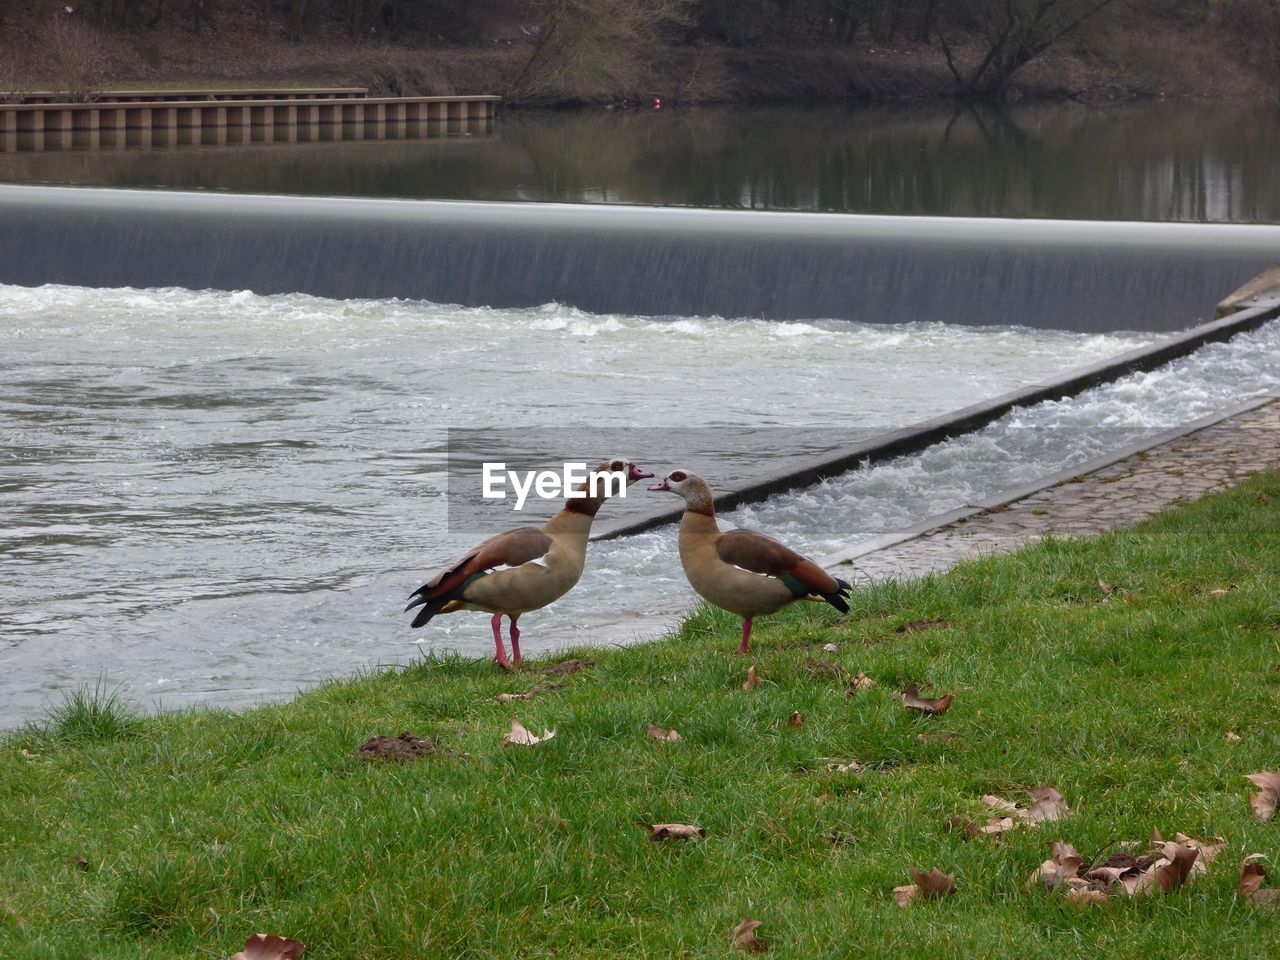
x=200 y=828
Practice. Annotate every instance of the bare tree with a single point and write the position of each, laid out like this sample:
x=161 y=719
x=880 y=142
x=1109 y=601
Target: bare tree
x=1016 y=32
x=588 y=49
x=76 y=52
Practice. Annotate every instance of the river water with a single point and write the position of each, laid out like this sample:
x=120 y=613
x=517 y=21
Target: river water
x=222 y=497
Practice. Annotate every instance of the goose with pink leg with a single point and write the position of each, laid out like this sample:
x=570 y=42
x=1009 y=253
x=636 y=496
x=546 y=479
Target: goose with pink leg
x=523 y=569
x=746 y=573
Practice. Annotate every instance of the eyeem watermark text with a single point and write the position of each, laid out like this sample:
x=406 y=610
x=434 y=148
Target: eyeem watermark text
x=573 y=481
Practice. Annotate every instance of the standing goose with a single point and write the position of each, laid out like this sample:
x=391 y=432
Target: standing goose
x=539 y=565
x=743 y=572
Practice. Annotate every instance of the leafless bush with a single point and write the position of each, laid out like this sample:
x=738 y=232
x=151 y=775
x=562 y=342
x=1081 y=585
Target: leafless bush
x=590 y=50
x=77 y=56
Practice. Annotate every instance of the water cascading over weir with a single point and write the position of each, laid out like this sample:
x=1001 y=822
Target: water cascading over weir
x=1071 y=275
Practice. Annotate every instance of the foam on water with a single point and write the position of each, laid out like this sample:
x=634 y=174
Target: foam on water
x=224 y=496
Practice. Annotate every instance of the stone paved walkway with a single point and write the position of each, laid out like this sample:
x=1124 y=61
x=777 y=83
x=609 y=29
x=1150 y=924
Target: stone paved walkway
x=1119 y=495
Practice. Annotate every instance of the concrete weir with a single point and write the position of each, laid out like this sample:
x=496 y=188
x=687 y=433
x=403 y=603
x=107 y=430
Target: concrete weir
x=1073 y=275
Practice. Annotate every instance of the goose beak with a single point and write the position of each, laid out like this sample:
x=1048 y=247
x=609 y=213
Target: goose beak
x=635 y=473
x=660 y=485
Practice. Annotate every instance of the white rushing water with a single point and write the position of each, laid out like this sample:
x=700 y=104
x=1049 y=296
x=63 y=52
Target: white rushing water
x=224 y=497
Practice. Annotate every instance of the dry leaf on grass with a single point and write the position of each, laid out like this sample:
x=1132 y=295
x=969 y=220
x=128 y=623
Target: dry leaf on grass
x=831 y=648
x=1252 y=876
x=656 y=732
x=745 y=939
x=1265 y=800
x=527 y=695
x=844 y=766
x=82 y=862
x=1064 y=865
x=1047 y=805
x=795 y=720
x=937 y=623
x=263 y=946
x=933 y=885
x=972 y=830
x=1082 y=893
x=1206 y=850
x=858 y=684
x=520 y=737
x=1112 y=590
x=752 y=681
x=912 y=700
x=1233 y=737
x=674 y=831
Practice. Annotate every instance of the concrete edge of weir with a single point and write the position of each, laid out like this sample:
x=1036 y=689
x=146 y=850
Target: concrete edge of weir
x=1014 y=494
x=919 y=436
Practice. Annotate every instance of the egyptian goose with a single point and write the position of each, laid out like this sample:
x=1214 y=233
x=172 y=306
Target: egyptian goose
x=540 y=565
x=743 y=572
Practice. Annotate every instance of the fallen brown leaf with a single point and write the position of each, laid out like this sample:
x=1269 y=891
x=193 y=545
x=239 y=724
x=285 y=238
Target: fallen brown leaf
x=937 y=623
x=795 y=720
x=753 y=679
x=1081 y=893
x=745 y=939
x=1206 y=850
x=1181 y=860
x=906 y=895
x=520 y=737
x=566 y=667
x=263 y=946
x=935 y=884
x=675 y=831
x=1252 y=875
x=1233 y=737
x=1048 y=805
x=844 y=766
x=657 y=733
x=1064 y=865
x=513 y=697
x=859 y=684
x=1268 y=795
x=831 y=648
x=972 y=830
x=912 y=700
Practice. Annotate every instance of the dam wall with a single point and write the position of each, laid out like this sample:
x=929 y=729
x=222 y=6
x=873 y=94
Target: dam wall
x=1071 y=275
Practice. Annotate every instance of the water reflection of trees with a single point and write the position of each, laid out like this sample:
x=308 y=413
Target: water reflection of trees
x=1150 y=162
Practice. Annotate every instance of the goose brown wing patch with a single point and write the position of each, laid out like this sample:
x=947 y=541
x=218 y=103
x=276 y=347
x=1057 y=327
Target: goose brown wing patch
x=761 y=554
x=509 y=549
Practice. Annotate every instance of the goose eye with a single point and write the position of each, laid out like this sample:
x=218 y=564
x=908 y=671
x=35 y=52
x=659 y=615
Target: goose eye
x=677 y=476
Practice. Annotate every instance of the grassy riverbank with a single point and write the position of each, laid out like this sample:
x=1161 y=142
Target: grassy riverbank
x=179 y=835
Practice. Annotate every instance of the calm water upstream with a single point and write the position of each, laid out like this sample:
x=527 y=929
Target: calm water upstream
x=1200 y=162
x=218 y=496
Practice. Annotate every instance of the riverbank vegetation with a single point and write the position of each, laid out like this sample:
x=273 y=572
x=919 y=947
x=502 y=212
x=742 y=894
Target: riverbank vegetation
x=1137 y=676
x=630 y=51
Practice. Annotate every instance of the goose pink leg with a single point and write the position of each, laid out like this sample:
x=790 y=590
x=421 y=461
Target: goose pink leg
x=746 y=635
x=515 y=640
x=500 y=657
